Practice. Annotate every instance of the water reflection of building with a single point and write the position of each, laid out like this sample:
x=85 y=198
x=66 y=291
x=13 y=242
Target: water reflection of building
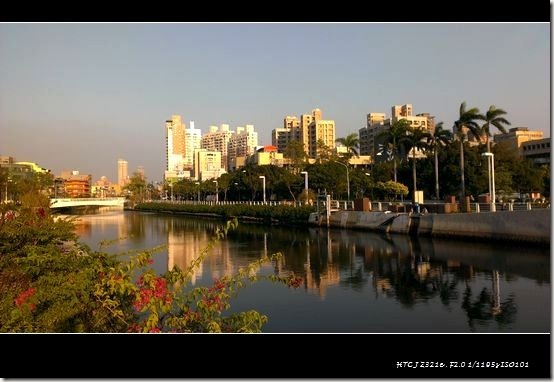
x=182 y=252
x=326 y=273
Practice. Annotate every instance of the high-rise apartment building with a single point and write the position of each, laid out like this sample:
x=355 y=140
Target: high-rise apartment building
x=241 y=144
x=218 y=140
x=308 y=130
x=175 y=147
x=122 y=172
x=193 y=140
x=320 y=131
x=377 y=123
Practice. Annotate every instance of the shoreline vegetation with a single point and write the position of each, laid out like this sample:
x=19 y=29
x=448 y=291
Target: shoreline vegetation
x=282 y=214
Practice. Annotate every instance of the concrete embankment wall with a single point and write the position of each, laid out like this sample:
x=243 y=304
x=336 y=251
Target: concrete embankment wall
x=526 y=226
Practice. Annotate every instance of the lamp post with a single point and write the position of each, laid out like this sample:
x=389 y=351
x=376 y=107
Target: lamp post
x=305 y=173
x=262 y=177
x=237 y=187
x=490 y=162
x=368 y=174
x=198 y=184
x=171 y=185
x=347 y=178
x=216 y=192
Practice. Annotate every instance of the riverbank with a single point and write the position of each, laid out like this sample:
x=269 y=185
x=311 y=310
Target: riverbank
x=280 y=214
x=532 y=226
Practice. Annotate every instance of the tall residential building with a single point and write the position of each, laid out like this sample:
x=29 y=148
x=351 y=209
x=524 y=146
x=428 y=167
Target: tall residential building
x=193 y=140
x=320 y=131
x=175 y=147
x=241 y=145
x=377 y=123
x=308 y=130
x=122 y=172
x=280 y=138
x=218 y=140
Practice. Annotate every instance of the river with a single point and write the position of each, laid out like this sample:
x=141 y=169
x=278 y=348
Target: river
x=353 y=281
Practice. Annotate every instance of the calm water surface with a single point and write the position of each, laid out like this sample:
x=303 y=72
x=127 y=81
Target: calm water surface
x=353 y=281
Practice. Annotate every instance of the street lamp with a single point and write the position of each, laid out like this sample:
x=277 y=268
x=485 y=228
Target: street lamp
x=490 y=162
x=237 y=187
x=305 y=173
x=347 y=178
x=216 y=192
x=262 y=177
x=198 y=184
x=171 y=185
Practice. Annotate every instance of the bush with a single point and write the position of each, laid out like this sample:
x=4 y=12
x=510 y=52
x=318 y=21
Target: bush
x=51 y=283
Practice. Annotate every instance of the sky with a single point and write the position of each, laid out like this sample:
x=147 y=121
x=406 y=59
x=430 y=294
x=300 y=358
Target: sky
x=80 y=96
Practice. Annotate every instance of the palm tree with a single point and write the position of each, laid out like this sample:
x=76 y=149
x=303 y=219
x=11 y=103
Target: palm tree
x=351 y=142
x=393 y=137
x=494 y=117
x=466 y=121
x=416 y=138
x=435 y=141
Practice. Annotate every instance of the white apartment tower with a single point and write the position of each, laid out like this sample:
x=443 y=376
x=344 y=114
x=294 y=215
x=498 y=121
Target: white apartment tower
x=193 y=139
x=218 y=140
x=241 y=144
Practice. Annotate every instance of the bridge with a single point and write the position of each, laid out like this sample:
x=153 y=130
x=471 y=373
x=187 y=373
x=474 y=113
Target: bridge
x=83 y=202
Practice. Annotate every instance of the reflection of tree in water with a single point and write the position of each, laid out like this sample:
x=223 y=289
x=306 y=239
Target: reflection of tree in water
x=415 y=277
x=487 y=306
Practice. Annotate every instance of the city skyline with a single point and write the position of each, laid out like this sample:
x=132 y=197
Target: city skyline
x=80 y=96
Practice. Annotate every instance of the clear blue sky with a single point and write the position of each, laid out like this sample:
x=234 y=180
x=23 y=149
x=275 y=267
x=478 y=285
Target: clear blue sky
x=79 y=96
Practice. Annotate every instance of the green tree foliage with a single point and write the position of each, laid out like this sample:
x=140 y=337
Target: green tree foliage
x=136 y=188
x=466 y=121
x=297 y=155
x=436 y=141
x=416 y=140
x=390 y=189
x=494 y=117
x=351 y=142
x=393 y=138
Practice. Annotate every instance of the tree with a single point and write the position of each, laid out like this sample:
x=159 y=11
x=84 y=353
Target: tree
x=417 y=140
x=324 y=152
x=393 y=137
x=136 y=187
x=435 y=141
x=295 y=152
x=390 y=189
x=351 y=142
x=224 y=182
x=466 y=121
x=493 y=117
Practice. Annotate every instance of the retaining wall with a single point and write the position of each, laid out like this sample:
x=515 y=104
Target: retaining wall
x=526 y=226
